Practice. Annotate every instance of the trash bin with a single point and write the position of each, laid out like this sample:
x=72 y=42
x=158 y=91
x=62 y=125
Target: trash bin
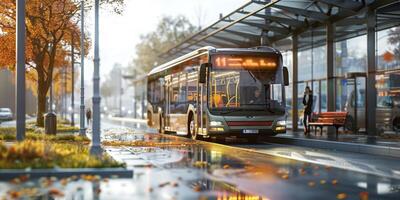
x=50 y=123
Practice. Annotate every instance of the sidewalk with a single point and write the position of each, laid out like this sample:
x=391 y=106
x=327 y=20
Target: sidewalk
x=359 y=143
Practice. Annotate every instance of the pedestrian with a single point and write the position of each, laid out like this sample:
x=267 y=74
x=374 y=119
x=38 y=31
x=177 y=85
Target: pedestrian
x=307 y=102
x=88 y=116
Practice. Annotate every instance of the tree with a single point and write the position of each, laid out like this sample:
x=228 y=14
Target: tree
x=169 y=32
x=394 y=39
x=106 y=91
x=50 y=25
x=112 y=85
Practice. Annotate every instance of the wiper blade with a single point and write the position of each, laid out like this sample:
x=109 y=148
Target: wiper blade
x=252 y=76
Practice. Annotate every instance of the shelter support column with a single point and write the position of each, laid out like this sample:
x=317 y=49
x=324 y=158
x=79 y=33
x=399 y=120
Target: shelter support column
x=295 y=115
x=330 y=56
x=330 y=79
x=371 y=93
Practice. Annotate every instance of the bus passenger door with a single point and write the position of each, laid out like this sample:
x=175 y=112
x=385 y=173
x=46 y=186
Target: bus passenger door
x=201 y=108
x=167 y=103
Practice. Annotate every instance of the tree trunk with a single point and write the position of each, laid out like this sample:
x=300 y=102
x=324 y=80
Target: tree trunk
x=41 y=104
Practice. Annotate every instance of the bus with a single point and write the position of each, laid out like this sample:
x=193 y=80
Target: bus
x=219 y=92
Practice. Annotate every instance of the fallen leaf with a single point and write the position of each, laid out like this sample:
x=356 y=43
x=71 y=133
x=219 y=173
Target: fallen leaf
x=14 y=194
x=24 y=178
x=197 y=188
x=341 y=196
x=63 y=182
x=334 y=182
x=364 y=195
x=15 y=181
x=163 y=184
x=311 y=183
x=285 y=176
x=322 y=182
x=55 y=192
x=175 y=184
x=98 y=191
x=226 y=166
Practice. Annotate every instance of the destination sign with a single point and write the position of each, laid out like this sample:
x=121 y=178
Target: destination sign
x=245 y=62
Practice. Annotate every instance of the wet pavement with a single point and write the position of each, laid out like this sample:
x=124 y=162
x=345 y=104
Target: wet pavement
x=169 y=167
x=389 y=139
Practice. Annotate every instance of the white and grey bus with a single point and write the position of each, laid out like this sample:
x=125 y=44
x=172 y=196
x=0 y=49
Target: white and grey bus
x=214 y=92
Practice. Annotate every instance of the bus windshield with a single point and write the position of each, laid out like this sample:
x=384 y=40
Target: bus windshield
x=234 y=88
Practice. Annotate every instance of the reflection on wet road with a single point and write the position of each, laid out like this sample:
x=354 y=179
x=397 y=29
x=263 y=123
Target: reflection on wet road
x=214 y=171
x=168 y=167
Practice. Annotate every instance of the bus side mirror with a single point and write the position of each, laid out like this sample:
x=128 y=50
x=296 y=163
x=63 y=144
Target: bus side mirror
x=203 y=72
x=285 y=76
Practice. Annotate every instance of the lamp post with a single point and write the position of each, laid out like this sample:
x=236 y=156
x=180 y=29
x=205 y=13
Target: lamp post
x=20 y=75
x=95 y=147
x=82 y=130
x=72 y=80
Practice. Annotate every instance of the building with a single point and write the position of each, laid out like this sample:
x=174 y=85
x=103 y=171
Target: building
x=7 y=93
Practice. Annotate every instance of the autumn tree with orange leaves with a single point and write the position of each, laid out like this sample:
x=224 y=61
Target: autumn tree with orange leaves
x=50 y=25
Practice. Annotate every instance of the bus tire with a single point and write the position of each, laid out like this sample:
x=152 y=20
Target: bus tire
x=191 y=127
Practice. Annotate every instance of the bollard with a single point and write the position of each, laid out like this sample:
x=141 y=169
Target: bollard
x=50 y=123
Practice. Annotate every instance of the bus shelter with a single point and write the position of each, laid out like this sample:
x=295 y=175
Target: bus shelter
x=317 y=38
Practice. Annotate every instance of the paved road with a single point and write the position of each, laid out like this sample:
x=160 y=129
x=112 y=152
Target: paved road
x=265 y=170
x=171 y=167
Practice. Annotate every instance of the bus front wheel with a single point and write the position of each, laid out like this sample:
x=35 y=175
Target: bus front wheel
x=191 y=128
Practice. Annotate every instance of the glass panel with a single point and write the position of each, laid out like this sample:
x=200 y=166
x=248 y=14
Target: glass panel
x=341 y=94
x=319 y=62
x=304 y=64
x=388 y=80
x=300 y=105
x=388 y=46
x=288 y=92
x=324 y=102
x=351 y=56
x=316 y=97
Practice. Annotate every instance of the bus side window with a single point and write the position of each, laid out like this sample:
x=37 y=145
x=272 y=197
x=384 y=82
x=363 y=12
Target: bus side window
x=174 y=93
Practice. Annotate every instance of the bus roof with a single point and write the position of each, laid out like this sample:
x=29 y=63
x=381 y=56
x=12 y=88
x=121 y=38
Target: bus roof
x=172 y=63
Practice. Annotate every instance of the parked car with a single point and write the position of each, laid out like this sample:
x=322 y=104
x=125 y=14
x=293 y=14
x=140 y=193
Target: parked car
x=6 y=114
x=387 y=112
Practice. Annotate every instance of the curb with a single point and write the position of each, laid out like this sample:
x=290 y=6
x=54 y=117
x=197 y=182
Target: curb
x=7 y=174
x=340 y=146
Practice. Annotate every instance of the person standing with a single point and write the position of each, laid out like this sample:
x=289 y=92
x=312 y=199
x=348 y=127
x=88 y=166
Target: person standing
x=307 y=102
x=88 y=116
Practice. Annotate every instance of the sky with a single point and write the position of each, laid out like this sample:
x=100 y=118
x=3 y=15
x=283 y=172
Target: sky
x=120 y=33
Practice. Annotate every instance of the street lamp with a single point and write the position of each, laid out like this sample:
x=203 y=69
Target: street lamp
x=20 y=75
x=95 y=147
x=82 y=130
x=72 y=79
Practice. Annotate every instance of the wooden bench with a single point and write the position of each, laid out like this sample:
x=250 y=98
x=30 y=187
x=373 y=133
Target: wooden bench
x=335 y=119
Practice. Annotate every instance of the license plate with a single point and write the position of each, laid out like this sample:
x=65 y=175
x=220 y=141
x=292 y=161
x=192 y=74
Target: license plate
x=247 y=131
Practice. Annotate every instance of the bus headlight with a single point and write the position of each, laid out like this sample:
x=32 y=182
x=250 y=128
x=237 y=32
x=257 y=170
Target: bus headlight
x=281 y=123
x=215 y=123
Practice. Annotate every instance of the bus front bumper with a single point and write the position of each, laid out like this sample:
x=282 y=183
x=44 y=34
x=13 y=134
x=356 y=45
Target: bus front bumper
x=246 y=131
